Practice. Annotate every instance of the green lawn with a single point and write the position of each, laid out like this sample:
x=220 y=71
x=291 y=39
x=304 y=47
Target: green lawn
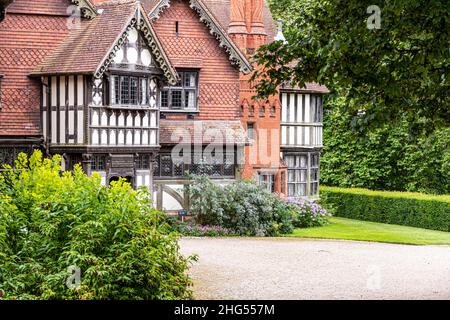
x=348 y=229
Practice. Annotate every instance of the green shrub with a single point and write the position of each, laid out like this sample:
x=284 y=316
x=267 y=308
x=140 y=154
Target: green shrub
x=402 y=208
x=242 y=207
x=207 y=201
x=49 y=222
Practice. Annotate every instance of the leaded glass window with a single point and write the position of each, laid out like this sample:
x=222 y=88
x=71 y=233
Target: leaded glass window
x=127 y=90
x=267 y=181
x=98 y=163
x=143 y=162
x=223 y=166
x=182 y=96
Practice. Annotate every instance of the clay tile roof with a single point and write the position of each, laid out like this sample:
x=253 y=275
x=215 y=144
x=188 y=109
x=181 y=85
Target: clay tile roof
x=202 y=132
x=149 y=5
x=85 y=47
x=52 y=7
x=220 y=9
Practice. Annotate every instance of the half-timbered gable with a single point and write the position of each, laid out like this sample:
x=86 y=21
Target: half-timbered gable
x=102 y=88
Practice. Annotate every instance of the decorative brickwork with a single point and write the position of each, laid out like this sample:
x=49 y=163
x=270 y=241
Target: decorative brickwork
x=195 y=47
x=25 y=40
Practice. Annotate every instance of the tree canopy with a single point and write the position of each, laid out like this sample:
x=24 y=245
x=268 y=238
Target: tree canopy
x=402 y=68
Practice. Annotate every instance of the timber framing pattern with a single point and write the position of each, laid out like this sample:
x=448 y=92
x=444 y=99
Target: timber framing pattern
x=236 y=56
x=141 y=22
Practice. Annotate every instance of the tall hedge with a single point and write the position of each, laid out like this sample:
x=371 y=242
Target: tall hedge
x=402 y=208
x=395 y=156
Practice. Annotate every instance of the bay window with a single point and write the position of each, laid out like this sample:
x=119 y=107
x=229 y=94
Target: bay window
x=303 y=174
x=129 y=90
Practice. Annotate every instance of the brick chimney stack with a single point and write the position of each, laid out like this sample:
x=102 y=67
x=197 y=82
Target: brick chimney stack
x=258 y=35
x=246 y=26
x=237 y=28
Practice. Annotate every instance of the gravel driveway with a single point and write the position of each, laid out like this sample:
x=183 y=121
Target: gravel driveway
x=281 y=268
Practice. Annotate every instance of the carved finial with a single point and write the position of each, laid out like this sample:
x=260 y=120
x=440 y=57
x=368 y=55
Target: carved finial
x=280 y=35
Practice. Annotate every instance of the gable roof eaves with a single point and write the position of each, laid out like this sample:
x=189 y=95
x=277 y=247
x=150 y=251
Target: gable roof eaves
x=236 y=56
x=87 y=9
x=139 y=21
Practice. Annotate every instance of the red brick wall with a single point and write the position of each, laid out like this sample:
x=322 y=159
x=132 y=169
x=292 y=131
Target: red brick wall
x=197 y=48
x=25 y=39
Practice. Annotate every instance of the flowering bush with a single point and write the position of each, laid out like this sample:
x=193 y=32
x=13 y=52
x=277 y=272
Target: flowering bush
x=242 y=207
x=191 y=229
x=308 y=214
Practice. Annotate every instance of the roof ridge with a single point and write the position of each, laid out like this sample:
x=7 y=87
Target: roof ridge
x=115 y=3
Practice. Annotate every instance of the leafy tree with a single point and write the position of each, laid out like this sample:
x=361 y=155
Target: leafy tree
x=51 y=221
x=399 y=70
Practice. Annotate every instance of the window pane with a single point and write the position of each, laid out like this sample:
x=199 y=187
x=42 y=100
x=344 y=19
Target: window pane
x=291 y=190
x=134 y=90
x=144 y=86
x=164 y=99
x=190 y=79
x=262 y=181
x=176 y=99
x=291 y=176
x=250 y=131
x=115 y=90
x=290 y=161
x=312 y=109
x=302 y=176
x=180 y=82
x=190 y=99
x=303 y=162
x=124 y=90
x=301 y=190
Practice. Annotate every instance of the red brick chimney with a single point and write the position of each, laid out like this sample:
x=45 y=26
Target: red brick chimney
x=258 y=35
x=237 y=28
x=246 y=26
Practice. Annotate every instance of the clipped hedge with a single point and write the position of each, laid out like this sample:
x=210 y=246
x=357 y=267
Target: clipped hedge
x=402 y=208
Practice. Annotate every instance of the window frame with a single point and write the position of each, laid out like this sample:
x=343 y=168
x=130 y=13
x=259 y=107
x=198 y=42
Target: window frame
x=311 y=172
x=251 y=130
x=143 y=162
x=184 y=91
x=167 y=169
x=266 y=180
x=115 y=90
x=317 y=107
x=96 y=160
